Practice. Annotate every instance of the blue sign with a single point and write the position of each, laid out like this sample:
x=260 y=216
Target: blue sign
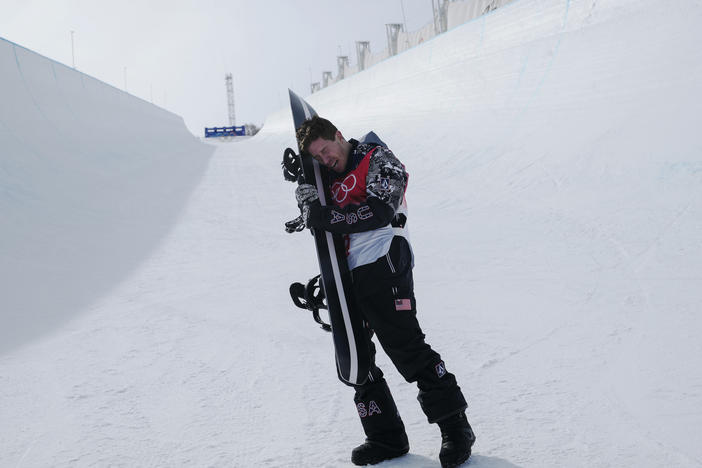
x=215 y=132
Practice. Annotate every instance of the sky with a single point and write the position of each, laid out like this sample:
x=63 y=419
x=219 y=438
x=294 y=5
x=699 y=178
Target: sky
x=176 y=53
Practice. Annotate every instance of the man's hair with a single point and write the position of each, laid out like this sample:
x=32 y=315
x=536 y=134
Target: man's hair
x=313 y=128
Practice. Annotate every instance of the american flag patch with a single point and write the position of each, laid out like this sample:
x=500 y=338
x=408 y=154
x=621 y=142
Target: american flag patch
x=403 y=304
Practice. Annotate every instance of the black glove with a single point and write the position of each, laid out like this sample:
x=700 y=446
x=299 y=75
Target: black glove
x=311 y=214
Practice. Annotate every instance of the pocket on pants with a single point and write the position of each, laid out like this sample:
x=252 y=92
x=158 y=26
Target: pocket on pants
x=393 y=269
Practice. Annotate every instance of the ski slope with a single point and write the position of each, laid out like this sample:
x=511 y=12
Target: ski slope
x=555 y=204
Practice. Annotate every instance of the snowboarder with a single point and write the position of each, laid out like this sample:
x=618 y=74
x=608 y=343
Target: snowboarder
x=368 y=190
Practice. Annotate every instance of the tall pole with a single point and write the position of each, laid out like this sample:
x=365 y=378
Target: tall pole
x=73 y=52
x=404 y=18
x=229 y=82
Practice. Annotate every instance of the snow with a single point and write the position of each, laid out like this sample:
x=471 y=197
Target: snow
x=555 y=205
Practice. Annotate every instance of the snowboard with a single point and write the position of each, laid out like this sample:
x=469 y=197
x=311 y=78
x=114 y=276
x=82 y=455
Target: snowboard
x=351 y=339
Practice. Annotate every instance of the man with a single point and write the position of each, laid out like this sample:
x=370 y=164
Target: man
x=369 y=207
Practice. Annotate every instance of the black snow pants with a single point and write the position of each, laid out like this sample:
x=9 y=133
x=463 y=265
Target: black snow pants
x=385 y=294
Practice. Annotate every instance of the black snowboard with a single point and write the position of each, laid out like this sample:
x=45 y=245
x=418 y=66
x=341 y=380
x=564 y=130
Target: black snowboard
x=350 y=338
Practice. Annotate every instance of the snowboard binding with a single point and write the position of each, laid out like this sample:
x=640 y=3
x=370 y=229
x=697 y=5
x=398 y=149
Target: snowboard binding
x=311 y=297
x=292 y=172
x=292 y=167
x=295 y=225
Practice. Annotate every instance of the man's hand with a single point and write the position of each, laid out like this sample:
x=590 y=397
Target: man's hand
x=306 y=194
x=308 y=201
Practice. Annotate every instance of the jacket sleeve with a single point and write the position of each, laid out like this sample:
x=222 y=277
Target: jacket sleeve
x=385 y=188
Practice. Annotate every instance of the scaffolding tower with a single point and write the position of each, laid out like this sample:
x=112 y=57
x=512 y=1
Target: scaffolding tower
x=393 y=32
x=327 y=78
x=343 y=62
x=230 y=98
x=362 y=54
x=440 y=8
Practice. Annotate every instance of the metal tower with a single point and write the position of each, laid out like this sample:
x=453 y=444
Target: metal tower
x=326 y=78
x=230 y=98
x=440 y=8
x=393 y=31
x=342 y=61
x=362 y=54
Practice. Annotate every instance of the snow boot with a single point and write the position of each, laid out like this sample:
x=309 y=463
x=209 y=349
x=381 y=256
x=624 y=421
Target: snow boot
x=385 y=432
x=370 y=453
x=457 y=438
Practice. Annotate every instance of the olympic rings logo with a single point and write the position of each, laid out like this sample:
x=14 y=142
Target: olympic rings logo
x=340 y=190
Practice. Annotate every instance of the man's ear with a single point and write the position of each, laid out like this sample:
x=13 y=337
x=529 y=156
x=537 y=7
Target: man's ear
x=340 y=136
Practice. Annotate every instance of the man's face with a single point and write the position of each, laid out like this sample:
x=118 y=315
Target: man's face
x=330 y=153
